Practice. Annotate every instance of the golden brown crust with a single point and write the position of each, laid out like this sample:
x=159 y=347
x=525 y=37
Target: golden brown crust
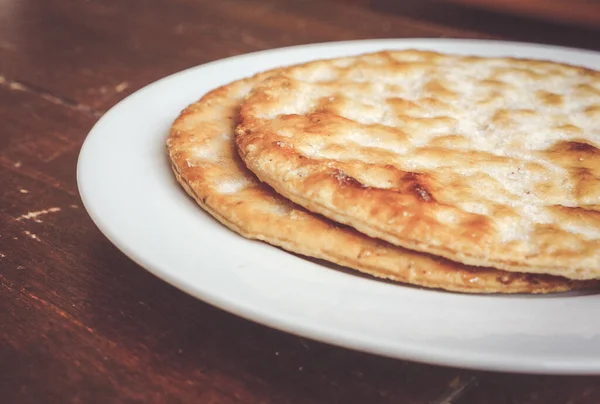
x=203 y=156
x=490 y=162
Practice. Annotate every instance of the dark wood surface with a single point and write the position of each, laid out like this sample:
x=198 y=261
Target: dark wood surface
x=575 y=12
x=79 y=321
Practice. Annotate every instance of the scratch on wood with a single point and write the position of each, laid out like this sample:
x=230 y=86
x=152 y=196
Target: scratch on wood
x=33 y=236
x=252 y=41
x=15 y=86
x=8 y=285
x=456 y=389
x=110 y=350
x=34 y=215
x=38 y=176
x=60 y=312
x=57 y=153
x=304 y=344
x=17 y=164
x=121 y=87
x=23 y=191
x=2 y=255
x=64 y=102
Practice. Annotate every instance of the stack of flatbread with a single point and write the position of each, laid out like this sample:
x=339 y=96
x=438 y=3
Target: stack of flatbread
x=461 y=173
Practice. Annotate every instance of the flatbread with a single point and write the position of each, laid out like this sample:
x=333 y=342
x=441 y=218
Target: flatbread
x=485 y=161
x=203 y=156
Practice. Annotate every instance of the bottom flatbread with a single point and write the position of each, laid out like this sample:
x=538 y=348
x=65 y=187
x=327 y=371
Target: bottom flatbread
x=204 y=159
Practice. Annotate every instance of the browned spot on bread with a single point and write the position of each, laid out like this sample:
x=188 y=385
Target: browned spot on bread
x=394 y=88
x=516 y=71
x=450 y=141
x=593 y=111
x=283 y=144
x=586 y=90
x=346 y=180
x=435 y=104
x=570 y=242
x=576 y=146
x=571 y=129
x=590 y=212
x=582 y=161
x=586 y=185
x=504 y=212
x=502 y=118
x=496 y=84
x=417 y=185
x=459 y=157
x=550 y=189
x=507 y=117
x=404 y=69
x=575 y=154
x=405 y=107
x=505 y=279
x=437 y=89
x=422 y=193
x=324 y=104
x=549 y=98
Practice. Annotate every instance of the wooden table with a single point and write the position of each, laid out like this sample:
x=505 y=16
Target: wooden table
x=80 y=322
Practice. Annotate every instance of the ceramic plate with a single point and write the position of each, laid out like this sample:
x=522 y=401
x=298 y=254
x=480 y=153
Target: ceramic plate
x=128 y=189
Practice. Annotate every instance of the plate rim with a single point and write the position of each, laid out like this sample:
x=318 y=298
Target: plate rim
x=416 y=352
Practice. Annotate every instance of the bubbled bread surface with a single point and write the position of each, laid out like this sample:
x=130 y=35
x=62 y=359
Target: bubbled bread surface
x=205 y=162
x=485 y=161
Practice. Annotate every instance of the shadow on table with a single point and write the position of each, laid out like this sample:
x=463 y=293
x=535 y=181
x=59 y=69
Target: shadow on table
x=515 y=27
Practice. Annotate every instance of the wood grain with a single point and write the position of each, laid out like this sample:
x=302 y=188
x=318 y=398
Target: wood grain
x=81 y=323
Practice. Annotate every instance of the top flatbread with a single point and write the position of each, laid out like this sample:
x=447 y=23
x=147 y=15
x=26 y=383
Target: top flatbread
x=486 y=161
x=202 y=152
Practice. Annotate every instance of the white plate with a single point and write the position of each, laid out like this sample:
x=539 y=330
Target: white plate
x=129 y=191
